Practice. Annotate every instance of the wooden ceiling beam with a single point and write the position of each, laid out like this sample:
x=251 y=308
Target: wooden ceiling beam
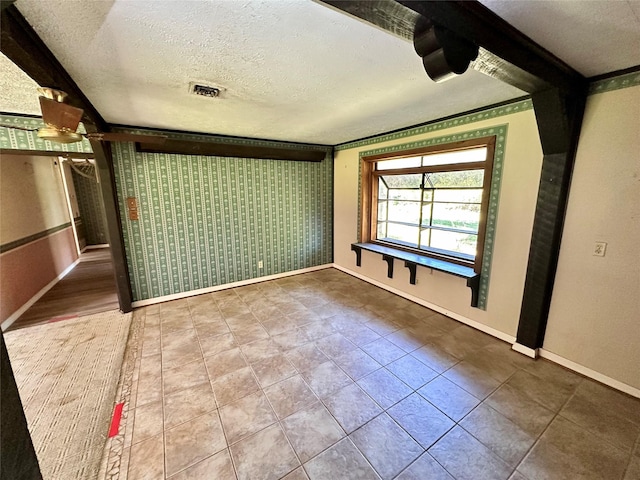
x=505 y=52
x=476 y=23
x=444 y=31
x=220 y=149
x=22 y=45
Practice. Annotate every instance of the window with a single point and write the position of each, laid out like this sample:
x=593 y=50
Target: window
x=431 y=201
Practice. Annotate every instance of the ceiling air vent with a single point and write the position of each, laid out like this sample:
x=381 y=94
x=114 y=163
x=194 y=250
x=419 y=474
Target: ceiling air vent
x=205 y=90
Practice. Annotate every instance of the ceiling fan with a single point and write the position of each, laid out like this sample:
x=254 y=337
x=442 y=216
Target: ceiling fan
x=61 y=123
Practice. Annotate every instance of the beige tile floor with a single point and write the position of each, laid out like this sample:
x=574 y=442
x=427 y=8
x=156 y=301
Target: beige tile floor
x=323 y=376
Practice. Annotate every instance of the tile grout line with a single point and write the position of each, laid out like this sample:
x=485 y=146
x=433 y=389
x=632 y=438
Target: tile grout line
x=215 y=398
x=636 y=447
x=358 y=347
x=513 y=469
x=129 y=425
x=556 y=414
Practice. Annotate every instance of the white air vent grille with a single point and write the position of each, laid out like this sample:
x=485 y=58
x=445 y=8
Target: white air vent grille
x=205 y=90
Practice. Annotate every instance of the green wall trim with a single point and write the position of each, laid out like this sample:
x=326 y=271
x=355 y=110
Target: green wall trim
x=207 y=221
x=500 y=132
x=491 y=113
x=32 y=238
x=616 y=83
x=622 y=81
x=11 y=139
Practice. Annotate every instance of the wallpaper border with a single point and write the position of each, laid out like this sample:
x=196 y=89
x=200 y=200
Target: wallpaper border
x=437 y=125
x=616 y=83
x=500 y=132
x=32 y=238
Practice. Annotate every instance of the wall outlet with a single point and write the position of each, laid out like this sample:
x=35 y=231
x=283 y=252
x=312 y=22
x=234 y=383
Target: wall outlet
x=260 y=265
x=599 y=249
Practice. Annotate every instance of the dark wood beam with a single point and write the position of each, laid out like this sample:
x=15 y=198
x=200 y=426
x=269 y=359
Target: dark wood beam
x=559 y=118
x=22 y=45
x=505 y=52
x=17 y=456
x=106 y=173
x=478 y=24
x=558 y=93
x=6 y=3
x=220 y=149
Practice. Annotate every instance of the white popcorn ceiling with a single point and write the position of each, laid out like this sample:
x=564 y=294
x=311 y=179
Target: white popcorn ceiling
x=291 y=70
x=593 y=36
x=18 y=93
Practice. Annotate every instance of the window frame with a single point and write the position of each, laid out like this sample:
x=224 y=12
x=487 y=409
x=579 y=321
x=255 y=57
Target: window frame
x=369 y=192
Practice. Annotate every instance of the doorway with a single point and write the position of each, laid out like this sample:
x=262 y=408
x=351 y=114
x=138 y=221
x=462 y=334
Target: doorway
x=81 y=279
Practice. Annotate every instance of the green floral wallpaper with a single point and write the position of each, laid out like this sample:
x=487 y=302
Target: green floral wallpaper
x=206 y=221
x=91 y=211
x=12 y=139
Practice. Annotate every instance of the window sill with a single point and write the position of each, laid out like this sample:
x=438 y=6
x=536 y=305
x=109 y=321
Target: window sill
x=412 y=260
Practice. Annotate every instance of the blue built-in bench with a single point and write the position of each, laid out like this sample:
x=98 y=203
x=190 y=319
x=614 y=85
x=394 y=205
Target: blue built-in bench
x=412 y=260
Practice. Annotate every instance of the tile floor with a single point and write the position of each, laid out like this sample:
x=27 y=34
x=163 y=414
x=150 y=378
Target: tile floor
x=323 y=376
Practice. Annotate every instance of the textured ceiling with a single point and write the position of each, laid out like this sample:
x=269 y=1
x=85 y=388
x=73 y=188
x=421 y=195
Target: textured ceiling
x=291 y=69
x=594 y=37
x=17 y=91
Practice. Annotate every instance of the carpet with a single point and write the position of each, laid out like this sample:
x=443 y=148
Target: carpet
x=67 y=374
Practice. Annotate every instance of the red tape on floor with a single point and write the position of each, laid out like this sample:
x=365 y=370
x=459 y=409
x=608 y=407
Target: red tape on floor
x=115 y=421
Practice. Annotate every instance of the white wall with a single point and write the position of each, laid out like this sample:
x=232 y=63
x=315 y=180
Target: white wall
x=32 y=196
x=32 y=200
x=595 y=310
x=521 y=174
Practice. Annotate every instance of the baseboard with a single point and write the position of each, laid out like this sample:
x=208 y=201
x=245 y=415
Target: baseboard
x=15 y=315
x=587 y=372
x=529 y=352
x=193 y=293
x=95 y=247
x=437 y=308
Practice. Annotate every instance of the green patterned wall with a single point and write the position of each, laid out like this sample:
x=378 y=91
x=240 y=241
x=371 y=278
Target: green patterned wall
x=90 y=205
x=13 y=139
x=206 y=221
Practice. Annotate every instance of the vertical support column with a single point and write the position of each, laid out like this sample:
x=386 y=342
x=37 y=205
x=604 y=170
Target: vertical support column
x=559 y=118
x=18 y=458
x=104 y=164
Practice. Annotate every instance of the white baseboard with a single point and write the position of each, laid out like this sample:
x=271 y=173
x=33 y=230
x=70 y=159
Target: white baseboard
x=467 y=321
x=193 y=293
x=15 y=315
x=94 y=247
x=587 y=372
x=529 y=352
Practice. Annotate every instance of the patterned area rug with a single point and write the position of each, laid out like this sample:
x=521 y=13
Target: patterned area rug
x=67 y=375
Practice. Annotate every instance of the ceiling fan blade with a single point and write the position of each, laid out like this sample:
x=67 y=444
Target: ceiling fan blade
x=127 y=137
x=60 y=115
